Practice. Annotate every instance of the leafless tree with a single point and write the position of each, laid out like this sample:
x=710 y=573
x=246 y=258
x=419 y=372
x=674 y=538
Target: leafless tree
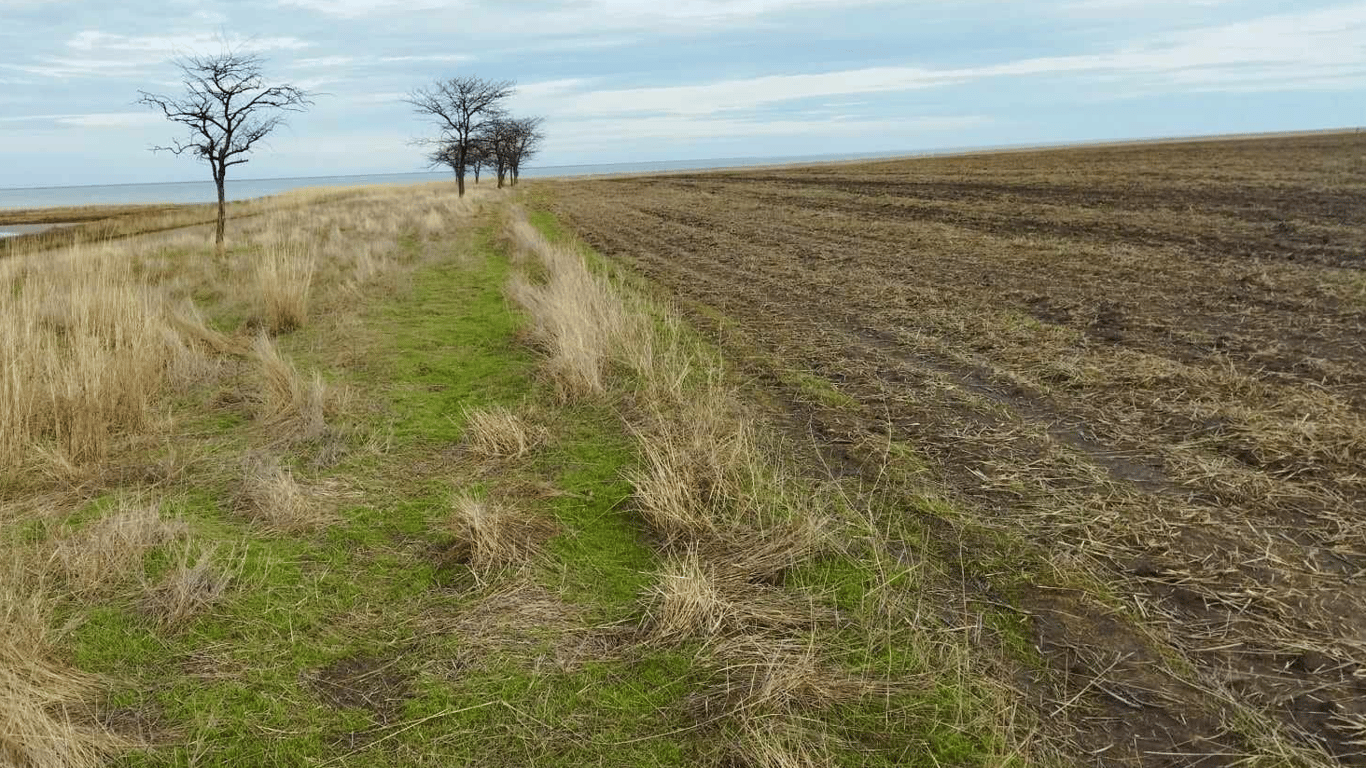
x=526 y=138
x=447 y=154
x=227 y=108
x=478 y=157
x=462 y=108
x=499 y=138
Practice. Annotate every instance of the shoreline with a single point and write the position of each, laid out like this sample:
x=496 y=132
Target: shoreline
x=76 y=213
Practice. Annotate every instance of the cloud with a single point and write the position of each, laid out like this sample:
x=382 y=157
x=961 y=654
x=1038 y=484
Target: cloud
x=437 y=57
x=104 y=54
x=353 y=9
x=729 y=95
x=1324 y=49
x=567 y=16
x=326 y=61
x=587 y=135
x=163 y=46
x=92 y=120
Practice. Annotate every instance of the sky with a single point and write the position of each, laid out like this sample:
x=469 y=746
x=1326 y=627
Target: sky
x=639 y=80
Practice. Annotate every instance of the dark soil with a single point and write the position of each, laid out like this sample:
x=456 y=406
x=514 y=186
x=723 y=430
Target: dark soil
x=1147 y=361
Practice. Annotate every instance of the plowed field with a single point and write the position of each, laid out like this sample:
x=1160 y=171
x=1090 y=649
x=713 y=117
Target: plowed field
x=1146 y=362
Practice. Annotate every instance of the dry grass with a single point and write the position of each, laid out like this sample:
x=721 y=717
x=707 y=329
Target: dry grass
x=111 y=549
x=195 y=581
x=576 y=317
x=491 y=535
x=292 y=404
x=284 y=277
x=783 y=742
x=37 y=695
x=688 y=601
x=106 y=359
x=271 y=496
x=709 y=478
x=86 y=353
x=496 y=432
x=763 y=675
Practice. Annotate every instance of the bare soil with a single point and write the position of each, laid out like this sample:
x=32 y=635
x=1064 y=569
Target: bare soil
x=1147 y=362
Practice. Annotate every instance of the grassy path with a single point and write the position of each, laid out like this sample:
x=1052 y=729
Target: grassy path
x=377 y=580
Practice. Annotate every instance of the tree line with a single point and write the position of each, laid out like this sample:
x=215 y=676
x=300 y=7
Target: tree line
x=476 y=131
x=227 y=106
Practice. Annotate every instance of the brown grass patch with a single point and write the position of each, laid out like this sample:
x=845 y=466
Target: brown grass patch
x=697 y=597
x=576 y=317
x=85 y=354
x=491 y=535
x=111 y=549
x=496 y=432
x=284 y=278
x=272 y=496
x=291 y=403
x=37 y=695
x=195 y=581
x=765 y=675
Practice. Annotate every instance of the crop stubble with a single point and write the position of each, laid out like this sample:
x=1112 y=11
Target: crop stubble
x=1149 y=360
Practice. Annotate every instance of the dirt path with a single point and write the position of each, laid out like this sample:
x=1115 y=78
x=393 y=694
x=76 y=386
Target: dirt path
x=1148 y=361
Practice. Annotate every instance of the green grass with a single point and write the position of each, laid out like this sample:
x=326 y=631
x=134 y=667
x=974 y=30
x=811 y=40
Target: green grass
x=235 y=684
x=245 y=682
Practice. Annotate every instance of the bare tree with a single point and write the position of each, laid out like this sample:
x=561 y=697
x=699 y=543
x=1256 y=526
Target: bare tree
x=526 y=137
x=478 y=155
x=228 y=107
x=462 y=108
x=499 y=139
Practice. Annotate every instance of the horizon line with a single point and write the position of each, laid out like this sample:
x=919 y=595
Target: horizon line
x=874 y=154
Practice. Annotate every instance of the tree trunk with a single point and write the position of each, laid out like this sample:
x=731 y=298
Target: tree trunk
x=460 y=181
x=476 y=174
x=222 y=215
x=516 y=173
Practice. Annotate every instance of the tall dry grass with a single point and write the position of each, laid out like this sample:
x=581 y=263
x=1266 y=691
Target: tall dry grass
x=284 y=278
x=576 y=318
x=291 y=403
x=103 y=330
x=491 y=535
x=86 y=353
x=94 y=333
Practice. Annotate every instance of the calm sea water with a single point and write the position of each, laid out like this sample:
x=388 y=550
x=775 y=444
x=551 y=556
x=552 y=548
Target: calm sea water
x=203 y=192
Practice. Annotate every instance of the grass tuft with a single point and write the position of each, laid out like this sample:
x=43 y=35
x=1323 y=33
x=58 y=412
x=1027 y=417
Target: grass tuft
x=496 y=432
x=290 y=402
x=491 y=535
x=272 y=496
x=194 y=582
x=38 y=696
x=284 y=277
x=112 y=548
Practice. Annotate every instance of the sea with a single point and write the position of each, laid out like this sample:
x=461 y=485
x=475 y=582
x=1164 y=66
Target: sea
x=242 y=189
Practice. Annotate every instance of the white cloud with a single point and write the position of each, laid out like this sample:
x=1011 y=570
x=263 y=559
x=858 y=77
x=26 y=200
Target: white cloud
x=577 y=136
x=164 y=46
x=104 y=54
x=326 y=61
x=112 y=120
x=570 y=16
x=92 y=120
x=1322 y=49
x=436 y=57
x=357 y=8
